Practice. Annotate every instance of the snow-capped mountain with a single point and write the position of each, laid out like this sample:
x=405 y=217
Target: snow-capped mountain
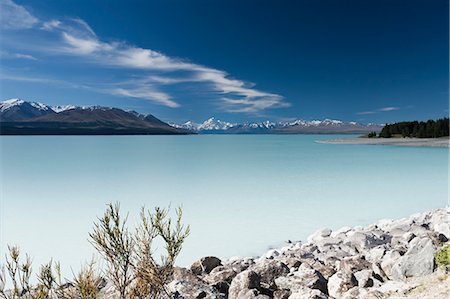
x=210 y=124
x=59 y=109
x=299 y=126
x=17 y=109
x=21 y=117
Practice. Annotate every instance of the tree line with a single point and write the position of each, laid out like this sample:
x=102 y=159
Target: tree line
x=422 y=129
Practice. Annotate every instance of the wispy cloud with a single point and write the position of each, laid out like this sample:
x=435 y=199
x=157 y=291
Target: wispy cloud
x=126 y=89
x=7 y=55
x=27 y=79
x=365 y=112
x=146 y=93
x=384 y=109
x=74 y=37
x=13 y=16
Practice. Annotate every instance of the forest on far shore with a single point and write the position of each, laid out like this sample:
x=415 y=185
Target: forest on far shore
x=418 y=129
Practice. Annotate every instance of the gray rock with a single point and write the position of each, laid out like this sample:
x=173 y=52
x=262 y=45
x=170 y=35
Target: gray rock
x=242 y=283
x=353 y=264
x=361 y=293
x=440 y=222
x=269 y=270
x=220 y=273
x=367 y=240
x=305 y=276
x=417 y=261
x=306 y=293
x=187 y=285
x=251 y=294
x=375 y=254
x=271 y=254
x=388 y=261
x=319 y=235
x=281 y=294
x=365 y=278
x=341 y=282
x=205 y=265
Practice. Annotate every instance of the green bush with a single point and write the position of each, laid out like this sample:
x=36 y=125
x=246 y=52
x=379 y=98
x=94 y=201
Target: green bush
x=442 y=257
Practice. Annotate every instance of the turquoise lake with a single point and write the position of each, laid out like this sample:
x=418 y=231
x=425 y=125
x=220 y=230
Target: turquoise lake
x=241 y=194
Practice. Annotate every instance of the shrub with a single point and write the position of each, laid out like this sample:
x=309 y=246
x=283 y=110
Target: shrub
x=132 y=267
x=113 y=241
x=18 y=272
x=87 y=282
x=151 y=275
x=442 y=257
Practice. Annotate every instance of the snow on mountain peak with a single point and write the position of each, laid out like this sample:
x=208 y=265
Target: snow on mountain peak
x=213 y=124
x=40 y=106
x=59 y=109
x=5 y=105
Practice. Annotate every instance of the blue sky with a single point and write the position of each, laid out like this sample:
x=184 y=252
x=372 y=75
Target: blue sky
x=369 y=61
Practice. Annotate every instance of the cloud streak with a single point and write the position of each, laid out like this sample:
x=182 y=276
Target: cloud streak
x=74 y=37
x=384 y=109
x=13 y=16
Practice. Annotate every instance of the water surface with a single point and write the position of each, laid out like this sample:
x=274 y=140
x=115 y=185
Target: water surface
x=241 y=194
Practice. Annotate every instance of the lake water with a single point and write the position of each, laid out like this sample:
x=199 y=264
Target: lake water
x=240 y=194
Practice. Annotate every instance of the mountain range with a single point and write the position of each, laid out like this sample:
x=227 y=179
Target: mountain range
x=326 y=126
x=19 y=117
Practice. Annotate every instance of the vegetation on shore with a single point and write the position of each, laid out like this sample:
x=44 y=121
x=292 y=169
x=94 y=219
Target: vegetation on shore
x=131 y=265
x=442 y=257
x=429 y=129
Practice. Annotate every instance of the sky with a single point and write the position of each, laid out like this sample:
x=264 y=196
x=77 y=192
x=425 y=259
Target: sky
x=368 y=61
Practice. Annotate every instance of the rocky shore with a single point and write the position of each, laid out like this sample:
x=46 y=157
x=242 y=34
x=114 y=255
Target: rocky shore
x=389 y=259
x=417 y=142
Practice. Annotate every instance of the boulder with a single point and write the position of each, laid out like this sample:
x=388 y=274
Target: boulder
x=242 y=283
x=205 y=265
x=353 y=264
x=388 y=261
x=375 y=254
x=220 y=273
x=271 y=254
x=251 y=294
x=187 y=285
x=269 y=270
x=341 y=282
x=417 y=261
x=319 y=235
x=305 y=276
x=364 y=278
x=281 y=294
x=362 y=293
x=367 y=240
x=440 y=222
x=307 y=293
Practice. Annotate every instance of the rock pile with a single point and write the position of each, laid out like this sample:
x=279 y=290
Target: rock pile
x=390 y=258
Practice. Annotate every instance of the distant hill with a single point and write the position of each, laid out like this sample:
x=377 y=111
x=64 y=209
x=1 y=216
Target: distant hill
x=19 y=117
x=326 y=126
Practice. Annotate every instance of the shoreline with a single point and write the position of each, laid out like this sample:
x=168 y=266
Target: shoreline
x=392 y=258
x=415 y=142
x=388 y=259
